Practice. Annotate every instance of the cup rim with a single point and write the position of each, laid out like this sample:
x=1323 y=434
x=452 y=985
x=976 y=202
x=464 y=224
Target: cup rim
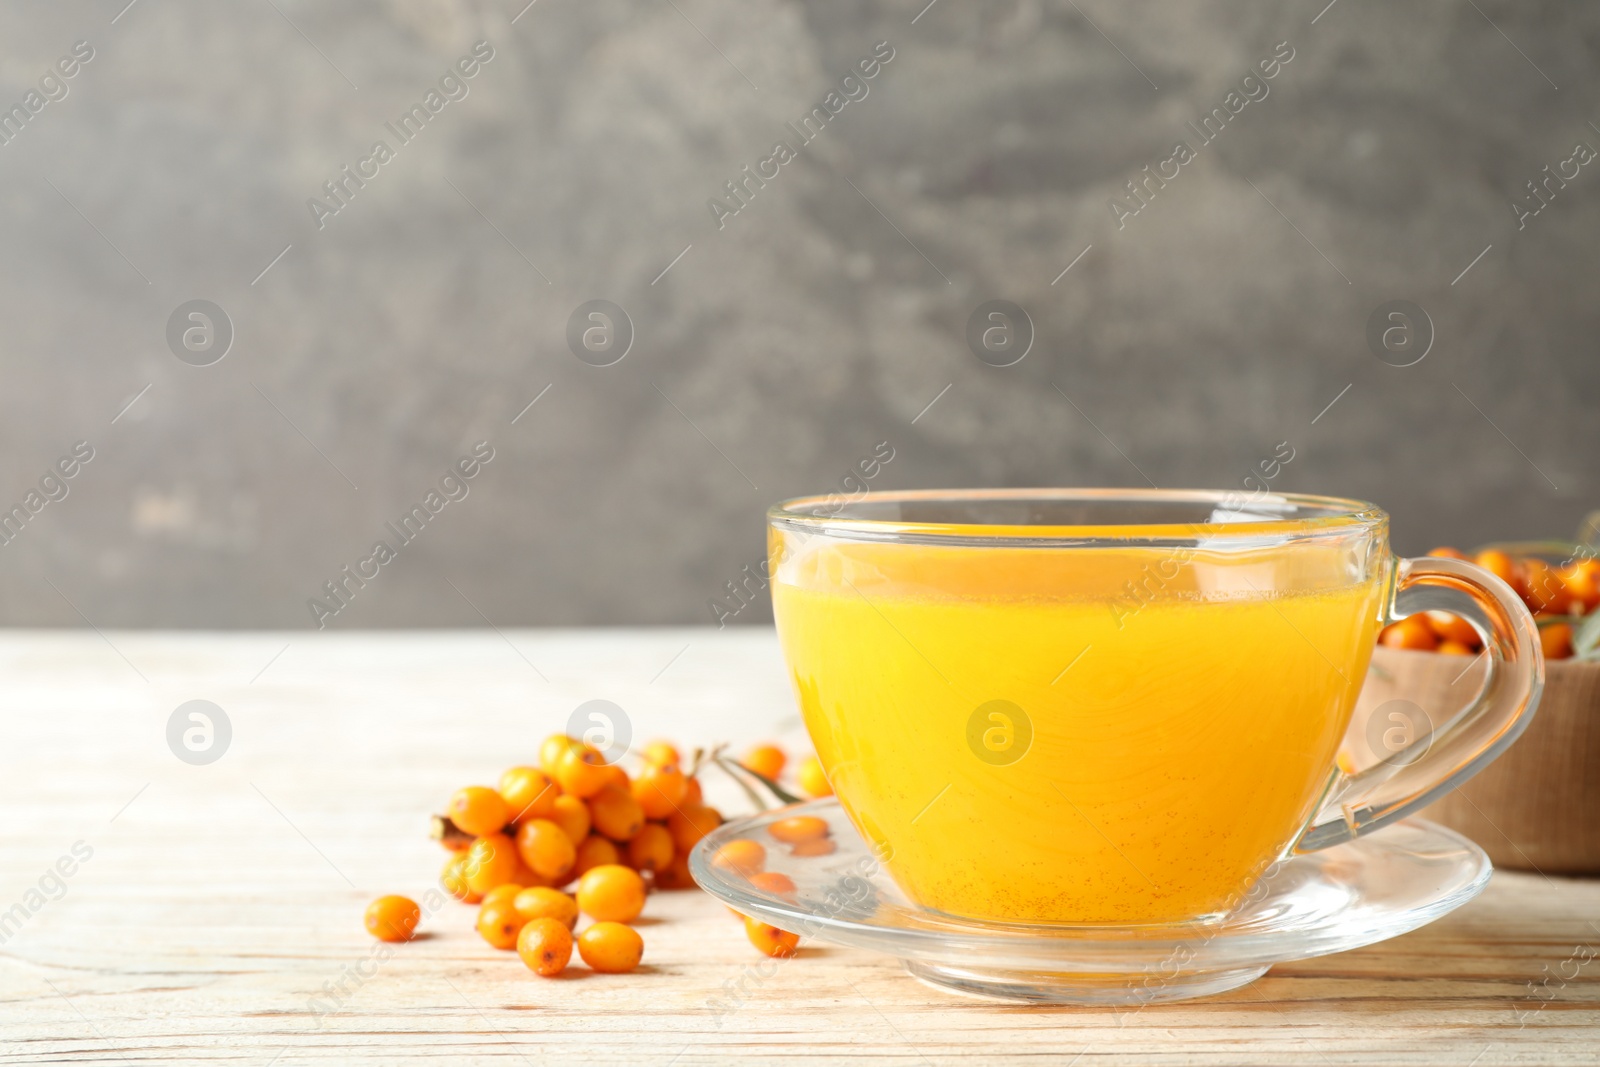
x=1313 y=515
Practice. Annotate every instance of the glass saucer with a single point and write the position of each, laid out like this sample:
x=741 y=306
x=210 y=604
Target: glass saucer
x=1355 y=894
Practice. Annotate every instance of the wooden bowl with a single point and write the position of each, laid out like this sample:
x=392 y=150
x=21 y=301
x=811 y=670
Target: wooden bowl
x=1537 y=807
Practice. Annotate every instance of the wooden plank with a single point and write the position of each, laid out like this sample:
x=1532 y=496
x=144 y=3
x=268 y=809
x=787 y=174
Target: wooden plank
x=218 y=919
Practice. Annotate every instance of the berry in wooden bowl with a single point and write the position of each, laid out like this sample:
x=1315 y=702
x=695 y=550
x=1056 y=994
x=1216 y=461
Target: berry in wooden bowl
x=1536 y=807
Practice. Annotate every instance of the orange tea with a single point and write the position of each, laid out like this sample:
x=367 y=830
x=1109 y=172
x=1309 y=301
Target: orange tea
x=1075 y=735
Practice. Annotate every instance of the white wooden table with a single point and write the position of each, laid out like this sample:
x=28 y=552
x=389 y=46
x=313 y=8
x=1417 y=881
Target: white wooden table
x=219 y=916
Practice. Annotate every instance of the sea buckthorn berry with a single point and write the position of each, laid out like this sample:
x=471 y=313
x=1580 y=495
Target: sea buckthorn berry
x=546 y=848
x=813 y=779
x=582 y=772
x=595 y=851
x=1582 y=579
x=1448 y=627
x=528 y=792
x=779 y=944
x=393 y=918
x=526 y=876
x=499 y=923
x=1555 y=640
x=478 y=810
x=551 y=750
x=1546 y=590
x=1411 y=632
x=765 y=760
x=693 y=795
x=491 y=862
x=454 y=880
x=779 y=885
x=661 y=754
x=611 y=948
x=508 y=891
x=1455 y=648
x=651 y=848
x=618 y=778
x=741 y=855
x=819 y=846
x=542 y=902
x=572 y=815
x=660 y=789
x=612 y=893
x=690 y=824
x=615 y=813
x=798 y=828
x=675 y=875
x=1449 y=553
x=1501 y=565
x=545 y=945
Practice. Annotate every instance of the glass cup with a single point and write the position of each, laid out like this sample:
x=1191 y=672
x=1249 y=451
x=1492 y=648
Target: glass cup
x=1115 y=706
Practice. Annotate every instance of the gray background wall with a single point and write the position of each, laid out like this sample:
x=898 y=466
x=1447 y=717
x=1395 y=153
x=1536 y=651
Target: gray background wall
x=780 y=350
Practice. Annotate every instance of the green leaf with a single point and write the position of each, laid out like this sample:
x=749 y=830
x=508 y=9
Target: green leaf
x=1586 y=640
x=736 y=771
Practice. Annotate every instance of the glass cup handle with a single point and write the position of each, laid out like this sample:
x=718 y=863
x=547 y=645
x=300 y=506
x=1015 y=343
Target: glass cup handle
x=1441 y=759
